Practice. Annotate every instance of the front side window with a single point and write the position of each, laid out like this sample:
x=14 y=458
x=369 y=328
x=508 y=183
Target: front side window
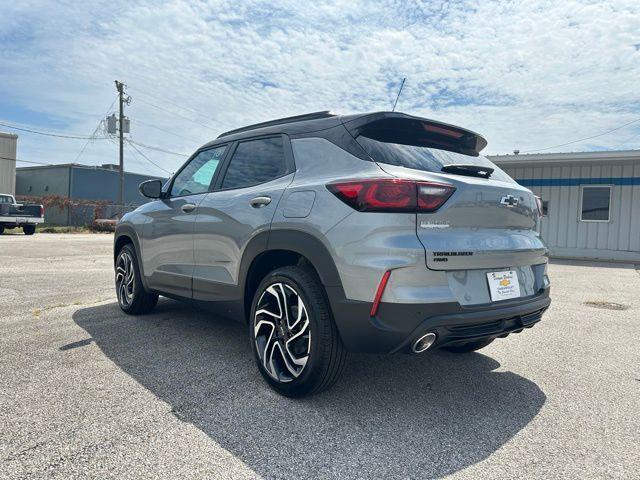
x=197 y=175
x=596 y=203
x=255 y=162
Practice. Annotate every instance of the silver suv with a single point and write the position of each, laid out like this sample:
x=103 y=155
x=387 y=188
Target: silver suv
x=378 y=232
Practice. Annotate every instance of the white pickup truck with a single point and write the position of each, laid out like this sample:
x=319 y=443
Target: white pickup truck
x=14 y=214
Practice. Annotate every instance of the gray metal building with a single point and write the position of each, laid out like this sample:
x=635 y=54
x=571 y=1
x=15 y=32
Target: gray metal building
x=591 y=201
x=79 y=182
x=8 y=145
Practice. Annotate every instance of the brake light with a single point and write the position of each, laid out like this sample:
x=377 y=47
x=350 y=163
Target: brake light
x=41 y=211
x=442 y=131
x=392 y=195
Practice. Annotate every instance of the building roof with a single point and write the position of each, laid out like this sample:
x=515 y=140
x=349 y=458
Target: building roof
x=8 y=135
x=105 y=168
x=521 y=160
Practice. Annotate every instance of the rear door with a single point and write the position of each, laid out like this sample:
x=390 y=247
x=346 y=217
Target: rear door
x=167 y=241
x=241 y=207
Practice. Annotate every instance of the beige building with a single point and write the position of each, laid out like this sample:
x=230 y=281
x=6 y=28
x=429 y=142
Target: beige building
x=8 y=145
x=591 y=201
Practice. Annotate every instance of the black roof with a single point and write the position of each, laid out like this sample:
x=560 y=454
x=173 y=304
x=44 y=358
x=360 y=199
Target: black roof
x=281 y=121
x=465 y=140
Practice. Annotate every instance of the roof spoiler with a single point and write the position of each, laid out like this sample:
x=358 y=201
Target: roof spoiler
x=405 y=129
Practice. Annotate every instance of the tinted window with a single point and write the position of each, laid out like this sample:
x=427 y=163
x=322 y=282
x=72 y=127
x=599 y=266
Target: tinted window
x=424 y=158
x=197 y=175
x=595 y=203
x=5 y=199
x=254 y=162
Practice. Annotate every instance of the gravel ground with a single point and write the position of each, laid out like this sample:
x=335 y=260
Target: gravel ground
x=88 y=392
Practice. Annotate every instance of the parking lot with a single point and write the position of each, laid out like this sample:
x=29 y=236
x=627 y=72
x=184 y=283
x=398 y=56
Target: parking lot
x=86 y=391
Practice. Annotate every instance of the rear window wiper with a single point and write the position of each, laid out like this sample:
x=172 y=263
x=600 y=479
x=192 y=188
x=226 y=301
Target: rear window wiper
x=468 y=170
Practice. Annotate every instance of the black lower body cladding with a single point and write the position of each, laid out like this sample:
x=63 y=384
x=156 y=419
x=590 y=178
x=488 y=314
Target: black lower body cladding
x=396 y=326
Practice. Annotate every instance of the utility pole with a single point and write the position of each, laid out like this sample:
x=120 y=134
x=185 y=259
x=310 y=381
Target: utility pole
x=120 y=87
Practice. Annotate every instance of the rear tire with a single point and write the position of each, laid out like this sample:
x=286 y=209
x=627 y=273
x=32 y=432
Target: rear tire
x=132 y=296
x=29 y=229
x=294 y=339
x=1 y=229
x=469 y=346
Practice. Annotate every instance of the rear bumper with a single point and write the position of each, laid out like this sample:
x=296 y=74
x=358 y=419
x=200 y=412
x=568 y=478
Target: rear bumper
x=397 y=326
x=19 y=221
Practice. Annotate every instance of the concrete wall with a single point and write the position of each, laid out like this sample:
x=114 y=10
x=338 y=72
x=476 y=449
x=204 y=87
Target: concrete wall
x=564 y=232
x=8 y=146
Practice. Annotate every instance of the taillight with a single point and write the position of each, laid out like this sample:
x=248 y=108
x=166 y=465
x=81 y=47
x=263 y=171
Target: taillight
x=41 y=211
x=392 y=195
x=539 y=205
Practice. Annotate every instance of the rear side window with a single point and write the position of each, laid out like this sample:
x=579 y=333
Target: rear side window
x=424 y=158
x=5 y=199
x=254 y=162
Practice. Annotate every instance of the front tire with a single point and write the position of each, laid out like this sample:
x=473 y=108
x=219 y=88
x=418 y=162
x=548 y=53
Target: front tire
x=294 y=339
x=132 y=296
x=469 y=346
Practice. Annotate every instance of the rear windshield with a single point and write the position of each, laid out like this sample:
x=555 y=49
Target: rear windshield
x=424 y=158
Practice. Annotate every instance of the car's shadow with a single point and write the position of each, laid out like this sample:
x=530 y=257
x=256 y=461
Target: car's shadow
x=387 y=417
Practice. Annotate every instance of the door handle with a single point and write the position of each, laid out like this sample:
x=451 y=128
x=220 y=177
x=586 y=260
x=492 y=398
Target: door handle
x=260 y=202
x=188 y=207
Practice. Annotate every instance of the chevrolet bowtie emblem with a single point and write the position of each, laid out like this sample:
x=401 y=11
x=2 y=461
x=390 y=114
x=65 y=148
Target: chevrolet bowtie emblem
x=509 y=201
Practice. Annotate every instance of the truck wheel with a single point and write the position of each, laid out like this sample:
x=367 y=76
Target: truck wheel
x=469 y=346
x=29 y=229
x=132 y=297
x=1 y=229
x=293 y=336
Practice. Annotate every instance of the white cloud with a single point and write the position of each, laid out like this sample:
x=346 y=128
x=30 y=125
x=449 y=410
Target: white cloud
x=525 y=74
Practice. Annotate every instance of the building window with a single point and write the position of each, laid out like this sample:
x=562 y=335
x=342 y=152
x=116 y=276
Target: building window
x=595 y=204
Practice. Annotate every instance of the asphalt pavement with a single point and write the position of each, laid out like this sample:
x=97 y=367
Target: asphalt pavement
x=89 y=392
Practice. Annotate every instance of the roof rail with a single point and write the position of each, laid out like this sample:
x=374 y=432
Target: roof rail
x=280 y=121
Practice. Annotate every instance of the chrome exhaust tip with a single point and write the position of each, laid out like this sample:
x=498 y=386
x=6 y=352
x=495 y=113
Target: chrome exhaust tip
x=423 y=343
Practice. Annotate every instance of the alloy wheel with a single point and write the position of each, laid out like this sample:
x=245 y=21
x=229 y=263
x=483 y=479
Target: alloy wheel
x=125 y=279
x=282 y=332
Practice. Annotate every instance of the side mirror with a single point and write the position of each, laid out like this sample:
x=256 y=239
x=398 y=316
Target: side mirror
x=151 y=188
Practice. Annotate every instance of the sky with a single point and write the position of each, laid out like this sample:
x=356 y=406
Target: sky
x=527 y=75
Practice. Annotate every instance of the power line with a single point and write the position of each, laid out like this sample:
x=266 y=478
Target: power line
x=25 y=161
x=146 y=94
x=176 y=114
x=166 y=131
x=95 y=131
x=47 y=134
x=582 y=139
x=157 y=149
x=131 y=144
